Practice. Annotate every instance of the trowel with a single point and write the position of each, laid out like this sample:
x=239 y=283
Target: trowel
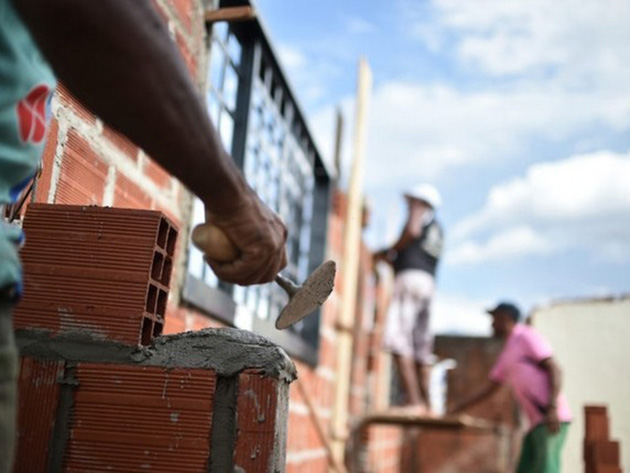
x=303 y=299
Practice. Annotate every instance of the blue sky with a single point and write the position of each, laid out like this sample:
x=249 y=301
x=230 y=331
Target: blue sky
x=518 y=111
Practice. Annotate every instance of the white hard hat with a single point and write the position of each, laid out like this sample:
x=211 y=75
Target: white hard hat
x=426 y=193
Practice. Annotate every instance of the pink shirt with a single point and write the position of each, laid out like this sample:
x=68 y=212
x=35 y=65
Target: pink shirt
x=518 y=366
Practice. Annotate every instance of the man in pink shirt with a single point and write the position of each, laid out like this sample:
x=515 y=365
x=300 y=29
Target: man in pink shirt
x=527 y=366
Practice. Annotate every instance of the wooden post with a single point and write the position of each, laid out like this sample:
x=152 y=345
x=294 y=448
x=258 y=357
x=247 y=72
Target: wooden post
x=350 y=266
x=338 y=143
x=230 y=14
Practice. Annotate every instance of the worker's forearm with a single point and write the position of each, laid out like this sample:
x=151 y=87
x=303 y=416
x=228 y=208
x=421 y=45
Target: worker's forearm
x=477 y=398
x=403 y=240
x=471 y=402
x=555 y=383
x=117 y=58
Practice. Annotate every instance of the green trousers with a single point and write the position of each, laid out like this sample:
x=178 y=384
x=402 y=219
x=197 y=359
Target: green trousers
x=8 y=388
x=542 y=450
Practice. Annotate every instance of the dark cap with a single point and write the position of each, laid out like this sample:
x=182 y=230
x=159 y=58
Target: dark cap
x=507 y=308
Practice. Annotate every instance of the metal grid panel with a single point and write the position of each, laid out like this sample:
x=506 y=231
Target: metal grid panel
x=268 y=139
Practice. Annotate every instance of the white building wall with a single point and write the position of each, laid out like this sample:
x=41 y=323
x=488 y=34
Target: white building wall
x=591 y=340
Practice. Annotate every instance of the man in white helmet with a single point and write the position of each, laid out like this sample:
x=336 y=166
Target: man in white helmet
x=414 y=258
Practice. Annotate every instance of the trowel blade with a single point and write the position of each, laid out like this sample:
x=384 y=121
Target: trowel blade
x=311 y=295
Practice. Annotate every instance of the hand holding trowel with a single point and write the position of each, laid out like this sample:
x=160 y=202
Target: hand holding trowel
x=302 y=299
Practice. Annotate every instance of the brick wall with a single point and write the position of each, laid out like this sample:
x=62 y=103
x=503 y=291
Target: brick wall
x=86 y=162
x=481 y=452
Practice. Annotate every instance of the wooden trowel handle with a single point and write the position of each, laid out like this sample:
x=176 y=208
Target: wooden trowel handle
x=214 y=243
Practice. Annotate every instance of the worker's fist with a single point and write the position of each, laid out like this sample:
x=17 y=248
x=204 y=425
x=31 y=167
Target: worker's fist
x=250 y=246
x=552 y=421
x=387 y=255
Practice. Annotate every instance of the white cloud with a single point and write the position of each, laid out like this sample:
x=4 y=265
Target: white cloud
x=579 y=202
x=429 y=129
x=569 y=71
x=509 y=244
x=453 y=314
x=585 y=38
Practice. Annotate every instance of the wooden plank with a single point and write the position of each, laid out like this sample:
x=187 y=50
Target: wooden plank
x=447 y=422
x=350 y=265
x=230 y=14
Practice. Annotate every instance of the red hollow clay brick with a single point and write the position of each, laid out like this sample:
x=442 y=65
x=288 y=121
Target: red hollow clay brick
x=83 y=174
x=129 y=418
x=38 y=395
x=104 y=270
x=256 y=413
x=129 y=195
x=122 y=143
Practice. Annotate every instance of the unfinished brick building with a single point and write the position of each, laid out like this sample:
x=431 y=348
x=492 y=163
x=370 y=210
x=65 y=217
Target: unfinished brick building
x=258 y=116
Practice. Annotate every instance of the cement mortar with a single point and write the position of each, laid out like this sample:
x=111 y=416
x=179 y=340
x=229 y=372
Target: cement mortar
x=228 y=351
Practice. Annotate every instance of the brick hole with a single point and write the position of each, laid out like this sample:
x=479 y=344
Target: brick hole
x=166 y=271
x=170 y=243
x=147 y=331
x=151 y=299
x=157 y=329
x=161 y=304
x=162 y=233
x=156 y=267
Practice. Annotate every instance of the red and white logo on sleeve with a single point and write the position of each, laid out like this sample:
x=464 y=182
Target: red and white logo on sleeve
x=31 y=114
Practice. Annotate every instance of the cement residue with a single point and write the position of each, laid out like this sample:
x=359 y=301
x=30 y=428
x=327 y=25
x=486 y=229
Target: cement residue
x=76 y=345
x=227 y=351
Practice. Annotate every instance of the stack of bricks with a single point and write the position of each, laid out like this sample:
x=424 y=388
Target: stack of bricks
x=100 y=390
x=601 y=455
x=104 y=270
x=208 y=401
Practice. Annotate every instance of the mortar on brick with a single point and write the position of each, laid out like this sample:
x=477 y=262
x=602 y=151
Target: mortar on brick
x=228 y=351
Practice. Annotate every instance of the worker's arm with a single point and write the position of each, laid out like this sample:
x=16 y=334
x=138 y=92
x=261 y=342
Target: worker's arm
x=119 y=60
x=483 y=394
x=555 y=381
x=411 y=231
